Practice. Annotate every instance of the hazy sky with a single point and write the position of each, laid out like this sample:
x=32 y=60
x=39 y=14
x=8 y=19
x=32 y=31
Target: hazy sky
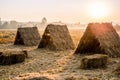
x=55 y=10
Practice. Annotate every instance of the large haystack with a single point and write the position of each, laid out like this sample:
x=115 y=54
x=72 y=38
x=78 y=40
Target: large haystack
x=28 y=36
x=56 y=37
x=100 y=38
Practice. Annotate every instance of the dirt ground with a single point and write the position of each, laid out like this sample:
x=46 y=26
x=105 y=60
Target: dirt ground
x=58 y=65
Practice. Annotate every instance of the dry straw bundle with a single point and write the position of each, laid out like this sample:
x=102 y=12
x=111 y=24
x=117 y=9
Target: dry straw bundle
x=56 y=37
x=100 y=38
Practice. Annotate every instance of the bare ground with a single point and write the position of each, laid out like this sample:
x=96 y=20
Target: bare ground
x=55 y=64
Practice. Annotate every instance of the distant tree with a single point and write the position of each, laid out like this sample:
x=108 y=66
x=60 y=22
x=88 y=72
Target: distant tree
x=5 y=25
x=44 y=21
x=0 y=22
x=117 y=27
x=13 y=24
x=59 y=21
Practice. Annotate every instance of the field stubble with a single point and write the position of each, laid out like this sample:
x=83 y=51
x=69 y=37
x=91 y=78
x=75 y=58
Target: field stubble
x=59 y=64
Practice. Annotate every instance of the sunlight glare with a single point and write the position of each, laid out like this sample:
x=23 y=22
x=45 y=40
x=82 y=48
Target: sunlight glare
x=98 y=10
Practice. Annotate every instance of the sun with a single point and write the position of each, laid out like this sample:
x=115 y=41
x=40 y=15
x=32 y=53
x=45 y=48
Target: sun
x=98 y=10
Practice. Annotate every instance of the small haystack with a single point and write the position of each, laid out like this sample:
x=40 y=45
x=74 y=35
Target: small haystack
x=100 y=38
x=28 y=36
x=56 y=37
x=12 y=57
x=94 y=61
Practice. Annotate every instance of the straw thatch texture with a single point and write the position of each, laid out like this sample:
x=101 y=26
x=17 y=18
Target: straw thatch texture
x=100 y=38
x=117 y=70
x=56 y=37
x=12 y=57
x=28 y=36
x=94 y=61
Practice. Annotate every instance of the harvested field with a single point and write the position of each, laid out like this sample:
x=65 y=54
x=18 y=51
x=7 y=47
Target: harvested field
x=7 y=36
x=62 y=65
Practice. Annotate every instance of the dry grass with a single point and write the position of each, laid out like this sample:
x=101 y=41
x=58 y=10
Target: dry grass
x=76 y=35
x=7 y=36
x=62 y=63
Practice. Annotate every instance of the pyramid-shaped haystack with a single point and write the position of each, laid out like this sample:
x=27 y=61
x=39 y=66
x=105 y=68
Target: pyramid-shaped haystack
x=56 y=37
x=28 y=36
x=100 y=38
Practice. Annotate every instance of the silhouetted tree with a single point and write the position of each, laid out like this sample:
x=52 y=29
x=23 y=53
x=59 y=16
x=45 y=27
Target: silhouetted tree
x=44 y=21
x=117 y=27
x=0 y=22
x=13 y=24
x=5 y=25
